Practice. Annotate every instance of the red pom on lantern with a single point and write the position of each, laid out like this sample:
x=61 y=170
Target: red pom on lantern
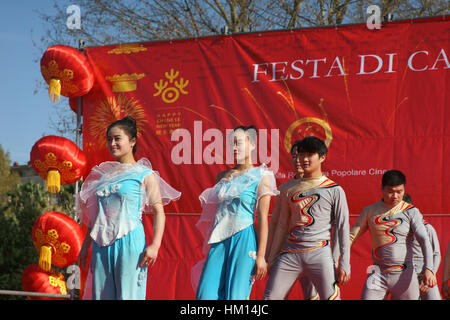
x=58 y=239
x=67 y=71
x=34 y=279
x=58 y=160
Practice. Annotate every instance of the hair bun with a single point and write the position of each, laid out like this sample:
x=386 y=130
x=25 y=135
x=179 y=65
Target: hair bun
x=129 y=119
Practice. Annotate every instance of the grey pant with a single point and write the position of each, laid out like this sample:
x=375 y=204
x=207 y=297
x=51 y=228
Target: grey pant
x=309 y=292
x=432 y=294
x=402 y=285
x=317 y=265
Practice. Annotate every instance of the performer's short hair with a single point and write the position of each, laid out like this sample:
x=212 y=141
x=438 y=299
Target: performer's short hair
x=312 y=144
x=407 y=198
x=295 y=145
x=393 y=178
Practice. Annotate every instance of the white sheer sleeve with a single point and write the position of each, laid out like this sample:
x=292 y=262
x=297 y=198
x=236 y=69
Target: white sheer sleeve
x=267 y=186
x=158 y=191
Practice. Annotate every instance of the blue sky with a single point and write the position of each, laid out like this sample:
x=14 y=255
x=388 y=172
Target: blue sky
x=25 y=116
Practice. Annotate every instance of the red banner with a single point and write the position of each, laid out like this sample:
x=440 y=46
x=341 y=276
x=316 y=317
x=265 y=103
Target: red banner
x=377 y=97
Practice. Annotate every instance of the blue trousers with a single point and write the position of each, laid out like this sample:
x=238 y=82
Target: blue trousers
x=229 y=267
x=116 y=274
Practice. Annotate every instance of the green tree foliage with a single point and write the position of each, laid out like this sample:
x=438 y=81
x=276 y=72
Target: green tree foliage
x=16 y=221
x=25 y=204
x=20 y=206
x=8 y=179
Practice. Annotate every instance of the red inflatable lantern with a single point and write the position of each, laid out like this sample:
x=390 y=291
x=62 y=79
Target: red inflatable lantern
x=34 y=279
x=58 y=239
x=67 y=71
x=58 y=160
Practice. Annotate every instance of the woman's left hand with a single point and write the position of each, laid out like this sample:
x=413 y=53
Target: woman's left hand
x=260 y=268
x=149 y=256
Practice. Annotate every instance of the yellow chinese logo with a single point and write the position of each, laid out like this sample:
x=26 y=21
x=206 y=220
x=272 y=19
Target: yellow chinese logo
x=171 y=93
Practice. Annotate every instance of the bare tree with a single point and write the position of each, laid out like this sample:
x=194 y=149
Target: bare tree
x=117 y=21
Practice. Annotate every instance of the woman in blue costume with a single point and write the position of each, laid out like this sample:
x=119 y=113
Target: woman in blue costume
x=111 y=202
x=235 y=251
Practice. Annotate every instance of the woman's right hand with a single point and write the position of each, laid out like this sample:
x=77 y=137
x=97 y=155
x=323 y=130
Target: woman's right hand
x=260 y=268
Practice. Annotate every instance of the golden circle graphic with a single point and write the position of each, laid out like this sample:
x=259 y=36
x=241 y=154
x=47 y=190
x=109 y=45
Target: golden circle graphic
x=309 y=126
x=170 y=95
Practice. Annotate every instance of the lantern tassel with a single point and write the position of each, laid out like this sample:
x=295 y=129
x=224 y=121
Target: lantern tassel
x=54 y=89
x=53 y=181
x=45 y=258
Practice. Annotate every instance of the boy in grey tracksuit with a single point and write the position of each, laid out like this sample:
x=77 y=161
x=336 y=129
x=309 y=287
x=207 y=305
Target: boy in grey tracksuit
x=393 y=224
x=307 y=210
